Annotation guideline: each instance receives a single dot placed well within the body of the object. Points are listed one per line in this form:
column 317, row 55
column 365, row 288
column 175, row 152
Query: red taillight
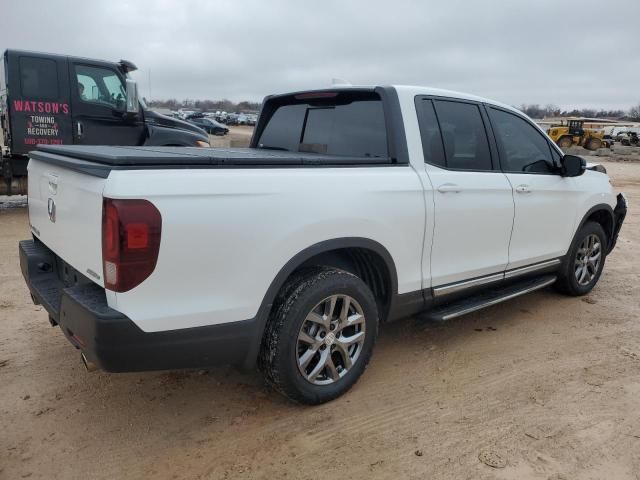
column 130, row 242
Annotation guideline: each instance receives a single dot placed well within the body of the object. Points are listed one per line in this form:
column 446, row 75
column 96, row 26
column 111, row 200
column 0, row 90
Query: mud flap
column 619, row 213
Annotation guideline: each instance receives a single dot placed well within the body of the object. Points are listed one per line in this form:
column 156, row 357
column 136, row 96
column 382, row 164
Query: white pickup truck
column 353, row 206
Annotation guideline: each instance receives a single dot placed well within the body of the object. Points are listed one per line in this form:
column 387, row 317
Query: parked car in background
column 221, row 117
column 209, row 125
column 623, row 138
column 607, row 141
column 183, row 114
column 231, row 119
column 628, row 137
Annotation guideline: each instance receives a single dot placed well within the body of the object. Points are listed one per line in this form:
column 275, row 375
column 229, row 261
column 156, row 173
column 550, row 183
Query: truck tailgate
column 65, row 213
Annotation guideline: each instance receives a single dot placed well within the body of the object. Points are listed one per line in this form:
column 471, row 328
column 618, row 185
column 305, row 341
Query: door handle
column 523, row 189
column 79, row 128
column 449, row 187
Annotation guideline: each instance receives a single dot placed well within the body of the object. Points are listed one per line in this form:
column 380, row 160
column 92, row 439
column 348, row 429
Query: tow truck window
column 328, row 125
column 101, row 86
column 38, row 78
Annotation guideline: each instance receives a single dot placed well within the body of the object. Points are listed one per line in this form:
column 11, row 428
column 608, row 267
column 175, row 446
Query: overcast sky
column 572, row 54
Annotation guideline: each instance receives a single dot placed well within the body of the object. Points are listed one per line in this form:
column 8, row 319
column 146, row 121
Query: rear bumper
column 111, row 340
column 619, row 214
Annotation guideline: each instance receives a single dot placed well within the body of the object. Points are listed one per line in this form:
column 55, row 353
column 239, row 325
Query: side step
column 488, row 298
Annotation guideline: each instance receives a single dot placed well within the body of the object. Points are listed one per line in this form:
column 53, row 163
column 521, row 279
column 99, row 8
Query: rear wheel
column 565, row 142
column 320, row 336
column 585, row 261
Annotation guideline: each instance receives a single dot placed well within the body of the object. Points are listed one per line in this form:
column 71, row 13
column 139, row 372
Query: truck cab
column 50, row 99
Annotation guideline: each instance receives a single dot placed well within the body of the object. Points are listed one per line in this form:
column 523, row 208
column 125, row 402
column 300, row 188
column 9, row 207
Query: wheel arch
column 348, row 254
column 602, row 214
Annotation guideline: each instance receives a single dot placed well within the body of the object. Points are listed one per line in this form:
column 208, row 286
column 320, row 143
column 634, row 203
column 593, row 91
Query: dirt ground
column 545, row 387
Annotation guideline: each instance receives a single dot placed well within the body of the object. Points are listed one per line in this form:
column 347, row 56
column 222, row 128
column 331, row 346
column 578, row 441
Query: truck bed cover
column 100, row 160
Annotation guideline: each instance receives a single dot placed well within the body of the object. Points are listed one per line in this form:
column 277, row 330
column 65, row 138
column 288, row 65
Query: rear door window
column 38, row 78
column 465, row 139
column 339, row 125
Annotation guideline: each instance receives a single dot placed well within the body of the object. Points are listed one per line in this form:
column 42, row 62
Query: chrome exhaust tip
column 89, row 366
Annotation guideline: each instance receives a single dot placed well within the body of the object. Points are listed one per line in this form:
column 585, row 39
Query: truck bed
column 98, row 161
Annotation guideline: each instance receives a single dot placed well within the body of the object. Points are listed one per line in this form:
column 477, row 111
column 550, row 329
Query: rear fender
column 298, row 260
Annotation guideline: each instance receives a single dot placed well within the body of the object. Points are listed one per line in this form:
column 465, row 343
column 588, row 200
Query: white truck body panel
column 227, row 233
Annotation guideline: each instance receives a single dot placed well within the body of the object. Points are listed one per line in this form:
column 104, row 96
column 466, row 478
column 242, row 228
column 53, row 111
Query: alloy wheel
column 330, row 339
column 588, row 259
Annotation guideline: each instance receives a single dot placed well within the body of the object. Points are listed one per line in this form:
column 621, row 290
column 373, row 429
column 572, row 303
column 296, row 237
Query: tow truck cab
column 58, row 100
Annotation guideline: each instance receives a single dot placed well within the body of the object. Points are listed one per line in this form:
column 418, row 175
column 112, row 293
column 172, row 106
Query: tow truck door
column 98, row 96
column 37, row 100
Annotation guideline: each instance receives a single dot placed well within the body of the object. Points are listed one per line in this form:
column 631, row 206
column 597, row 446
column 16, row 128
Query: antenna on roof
column 339, row 82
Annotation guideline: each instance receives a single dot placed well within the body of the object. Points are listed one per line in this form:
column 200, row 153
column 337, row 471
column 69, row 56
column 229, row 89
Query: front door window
column 100, row 86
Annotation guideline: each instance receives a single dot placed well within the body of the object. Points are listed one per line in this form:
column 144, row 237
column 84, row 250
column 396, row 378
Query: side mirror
column 132, row 96
column 573, row 166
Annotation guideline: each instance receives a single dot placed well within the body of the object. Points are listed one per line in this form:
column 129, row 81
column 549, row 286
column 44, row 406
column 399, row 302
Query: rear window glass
column 38, row 78
column 341, row 125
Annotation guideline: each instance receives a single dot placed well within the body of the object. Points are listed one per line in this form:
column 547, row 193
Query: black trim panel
column 396, row 136
column 99, row 161
column 407, row 304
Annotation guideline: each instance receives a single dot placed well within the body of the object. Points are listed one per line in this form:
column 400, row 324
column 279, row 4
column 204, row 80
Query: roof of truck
column 124, row 63
column 440, row 92
column 411, row 90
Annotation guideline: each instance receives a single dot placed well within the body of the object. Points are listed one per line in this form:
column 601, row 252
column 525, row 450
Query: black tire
column 567, row 281
column 279, row 353
column 565, row 142
column 593, row 144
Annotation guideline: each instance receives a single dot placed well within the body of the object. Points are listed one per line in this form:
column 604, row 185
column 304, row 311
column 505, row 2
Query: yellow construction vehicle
column 574, row 133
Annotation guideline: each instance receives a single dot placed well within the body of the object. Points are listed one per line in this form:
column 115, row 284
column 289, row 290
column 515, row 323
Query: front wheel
column 320, row 336
column 565, row 142
column 593, row 144
column 585, row 261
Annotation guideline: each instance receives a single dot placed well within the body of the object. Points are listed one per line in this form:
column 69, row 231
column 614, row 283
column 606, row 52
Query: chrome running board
column 488, row 298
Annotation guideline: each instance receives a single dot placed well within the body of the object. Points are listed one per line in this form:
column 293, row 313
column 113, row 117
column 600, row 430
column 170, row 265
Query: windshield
column 342, row 123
